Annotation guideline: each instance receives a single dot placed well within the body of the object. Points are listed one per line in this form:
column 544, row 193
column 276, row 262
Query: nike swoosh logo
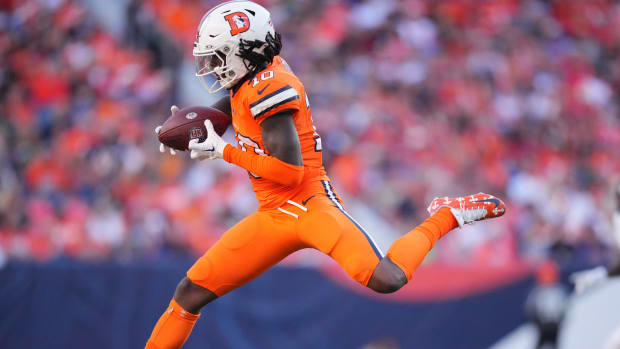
column 495, row 201
column 304, row 202
column 260, row 92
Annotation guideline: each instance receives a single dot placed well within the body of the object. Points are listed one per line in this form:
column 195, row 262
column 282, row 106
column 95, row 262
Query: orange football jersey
column 273, row 90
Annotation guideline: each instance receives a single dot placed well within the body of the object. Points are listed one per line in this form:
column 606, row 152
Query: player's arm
column 281, row 139
column 223, row 105
column 273, row 110
column 285, row 165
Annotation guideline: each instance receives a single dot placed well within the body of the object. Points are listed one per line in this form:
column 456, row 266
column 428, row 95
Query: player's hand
column 584, row 280
column 162, row 147
column 211, row 148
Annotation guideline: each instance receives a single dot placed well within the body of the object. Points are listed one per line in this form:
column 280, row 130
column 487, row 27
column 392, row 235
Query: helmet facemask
column 225, row 63
column 217, row 63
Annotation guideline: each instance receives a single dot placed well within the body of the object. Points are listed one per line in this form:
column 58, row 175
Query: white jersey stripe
column 331, row 195
column 298, row 205
column 271, row 101
column 288, row 212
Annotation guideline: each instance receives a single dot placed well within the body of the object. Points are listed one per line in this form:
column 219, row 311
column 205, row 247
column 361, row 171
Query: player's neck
column 239, row 83
column 250, row 76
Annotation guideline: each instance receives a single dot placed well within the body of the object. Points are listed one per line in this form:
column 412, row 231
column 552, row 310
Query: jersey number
column 266, row 75
column 318, row 146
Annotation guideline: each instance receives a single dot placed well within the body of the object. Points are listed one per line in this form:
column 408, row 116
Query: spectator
column 413, row 99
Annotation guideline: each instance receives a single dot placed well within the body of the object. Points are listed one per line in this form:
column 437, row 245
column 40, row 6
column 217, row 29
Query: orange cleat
column 469, row 209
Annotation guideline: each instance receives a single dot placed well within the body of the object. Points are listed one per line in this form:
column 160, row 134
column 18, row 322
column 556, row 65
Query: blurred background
column 413, row 99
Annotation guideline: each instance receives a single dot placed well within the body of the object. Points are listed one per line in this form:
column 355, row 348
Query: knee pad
column 204, row 275
column 200, row 272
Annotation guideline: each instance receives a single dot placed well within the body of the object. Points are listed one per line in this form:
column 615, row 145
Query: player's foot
column 468, row 209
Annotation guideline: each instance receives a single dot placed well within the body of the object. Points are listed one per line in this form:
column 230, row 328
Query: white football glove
column 162, row 147
column 211, row 148
column 586, row 279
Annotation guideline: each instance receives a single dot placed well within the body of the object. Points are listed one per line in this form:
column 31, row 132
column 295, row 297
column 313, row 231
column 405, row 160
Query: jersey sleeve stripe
column 285, row 88
column 276, row 105
column 277, row 98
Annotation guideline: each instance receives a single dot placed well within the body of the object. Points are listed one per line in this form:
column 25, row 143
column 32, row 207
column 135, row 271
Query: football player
column 280, row 148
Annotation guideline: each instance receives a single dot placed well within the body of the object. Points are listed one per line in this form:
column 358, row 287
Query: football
column 188, row 123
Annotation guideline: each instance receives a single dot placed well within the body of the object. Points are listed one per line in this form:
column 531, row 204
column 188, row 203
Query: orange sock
column 173, row 328
column 409, row 250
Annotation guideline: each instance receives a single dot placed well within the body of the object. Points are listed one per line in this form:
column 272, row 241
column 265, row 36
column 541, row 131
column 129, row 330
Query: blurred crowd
column 413, row 99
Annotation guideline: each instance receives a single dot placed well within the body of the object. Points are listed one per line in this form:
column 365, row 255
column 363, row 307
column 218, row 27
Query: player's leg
column 243, row 253
column 326, row 226
column 446, row 214
column 355, row 250
column 408, row 251
column 362, row 259
column 332, row 231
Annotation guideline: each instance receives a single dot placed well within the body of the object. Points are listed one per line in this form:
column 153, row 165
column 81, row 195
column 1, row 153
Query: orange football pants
column 311, row 219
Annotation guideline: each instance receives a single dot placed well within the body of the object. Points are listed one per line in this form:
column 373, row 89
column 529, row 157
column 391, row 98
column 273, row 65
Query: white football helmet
column 222, row 33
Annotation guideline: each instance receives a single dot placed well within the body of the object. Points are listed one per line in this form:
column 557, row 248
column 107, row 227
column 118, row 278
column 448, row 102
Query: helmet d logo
column 239, row 22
